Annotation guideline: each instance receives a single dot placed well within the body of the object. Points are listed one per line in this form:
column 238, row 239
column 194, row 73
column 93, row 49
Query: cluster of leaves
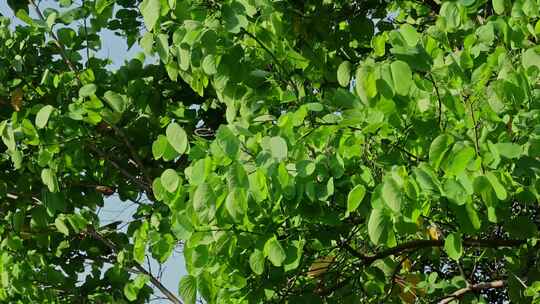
column 297, row 151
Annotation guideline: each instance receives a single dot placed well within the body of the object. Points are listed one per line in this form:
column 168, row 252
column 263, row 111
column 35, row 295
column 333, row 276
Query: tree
column 297, row 151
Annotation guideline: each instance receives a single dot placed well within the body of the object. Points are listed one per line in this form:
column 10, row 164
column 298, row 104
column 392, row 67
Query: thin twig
column 476, row 137
column 419, row 244
column 438, row 97
column 280, row 65
column 393, row 278
column 171, row 296
column 57, row 42
column 133, row 152
column 86, row 38
column 472, row 288
column 123, row 171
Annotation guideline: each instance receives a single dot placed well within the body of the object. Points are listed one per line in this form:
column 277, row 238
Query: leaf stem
column 472, row 288
column 171, row 296
column 438, row 97
column 56, row 41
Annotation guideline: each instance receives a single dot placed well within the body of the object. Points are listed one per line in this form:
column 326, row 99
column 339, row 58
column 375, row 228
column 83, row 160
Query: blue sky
column 115, row 48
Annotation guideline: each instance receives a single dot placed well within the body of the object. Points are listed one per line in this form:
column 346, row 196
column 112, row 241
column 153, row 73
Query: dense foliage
column 314, row 151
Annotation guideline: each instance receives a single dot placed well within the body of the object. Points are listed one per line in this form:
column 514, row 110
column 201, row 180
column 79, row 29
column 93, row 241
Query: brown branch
column 57, row 42
column 171, row 296
column 123, row 171
column 438, row 97
column 419, row 244
column 279, row 63
column 472, row 288
column 393, row 278
column 133, row 152
column 475, row 126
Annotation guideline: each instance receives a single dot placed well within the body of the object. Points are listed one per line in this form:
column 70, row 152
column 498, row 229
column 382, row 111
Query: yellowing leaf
column 320, row 266
column 17, row 99
column 434, row 232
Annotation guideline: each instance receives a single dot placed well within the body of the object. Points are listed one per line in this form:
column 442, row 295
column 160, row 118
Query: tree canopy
column 296, row 151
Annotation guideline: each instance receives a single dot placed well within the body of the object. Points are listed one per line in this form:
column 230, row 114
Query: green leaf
column 209, row 64
column 380, row 228
column 23, row 15
column 509, row 150
column 150, row 10
column 184, row 56
column 355, row 197
column 467, row 217
column 391, row 194
column 162, row 249
column 451, row 15
column 278, row 147
column 366, row 83
column 378, row 43
column 410, row 34
column 236, row 203
column 295, row 251
column 200, row 257
column 486, row 188
column 159, row 146
column 401, row 77
column 170, row 180
column 440, row 145
column 87, row 90
column 500, row 192
column 455, row 192
column 274, row 252
column 139, row 245
column 162, row 148
column 101, row 5
column 427, row 179
column 115, row 101
column 453, row 246
column 204, row 202
column 147, row 42
column 305, row 168
column 42, row 117
column 234, row 17
column 77, row 222
column 162, row 45
column 228, row 141
column 499, row 6
column 344, row 73
column 460, row 157
column 8, row 135
column 177, row 137
column 531, row 58
column 48, row 176
column 187, row 289
column 256, row 261
column 130, row 292
column 131, row 289
column 61, row 226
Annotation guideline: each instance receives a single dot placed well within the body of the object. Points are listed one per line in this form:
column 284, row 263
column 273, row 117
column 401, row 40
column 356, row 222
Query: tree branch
column 171, row 296
column 472, row 288
column 419, row 244
column 123, row 171
column 438, row 97
column 57, row 42
column 133, row 152
column 278, row 63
